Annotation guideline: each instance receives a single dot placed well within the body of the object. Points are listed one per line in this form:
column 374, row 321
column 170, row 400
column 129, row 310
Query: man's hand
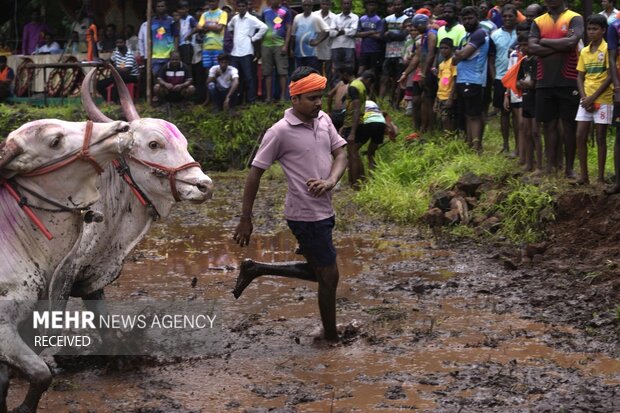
column 243, row 231
column 283, row 51
column 226, row 105
column 351, row 138
column 588, row 103
column 318, row 187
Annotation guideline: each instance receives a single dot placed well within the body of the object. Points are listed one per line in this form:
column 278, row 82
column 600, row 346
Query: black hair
column 242, row 2
column 368, row 74
column 223, row 57
column 510, row 8
column 451, row 5
column 407, row 20
column 301, row 72
column 597, row 20
column 469, row 11
column 447, row 41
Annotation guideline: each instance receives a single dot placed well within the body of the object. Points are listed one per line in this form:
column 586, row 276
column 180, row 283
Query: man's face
column 448, row 14
column 307, row 6
column 223, row 65
column 510, row 20
column 326, row 5
column 371, row 8
column 398, row 6
column 120, row 44
column 308, row 104
column 484, row 9
column 531, row 12
column 470, row 22
column 604, row 4
column 175, row 59
column 346, row 6
column 212, row 4
column 109, row 31
column 595, row 32
column 517, row 4
column 242, row 8
column 160, row 8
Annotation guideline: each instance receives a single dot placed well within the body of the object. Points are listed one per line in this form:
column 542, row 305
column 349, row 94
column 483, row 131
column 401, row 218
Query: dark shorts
column 315, row 240
column 372, row 61
column 498, row 94
column 431, row 85
column 470, row 98
column 342, row 57
column 373, row 131
column 392, row 67
column 416, row 90
column 556, row 103
column 615, row 121
column 529, row 104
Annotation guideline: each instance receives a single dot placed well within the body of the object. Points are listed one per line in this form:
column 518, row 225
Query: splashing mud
column 426, row 327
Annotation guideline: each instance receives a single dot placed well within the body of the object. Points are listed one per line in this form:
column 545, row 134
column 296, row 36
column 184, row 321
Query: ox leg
column 95, row 302
column 19, row 356
column 4, row 386
column 250, row 270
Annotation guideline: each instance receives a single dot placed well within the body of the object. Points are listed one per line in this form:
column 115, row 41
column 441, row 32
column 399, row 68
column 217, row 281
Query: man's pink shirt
column 304, row 152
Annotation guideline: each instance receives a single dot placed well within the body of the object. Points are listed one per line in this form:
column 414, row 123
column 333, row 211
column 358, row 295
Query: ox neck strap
column 123, row 170
column 166, row 172
column 87, row 214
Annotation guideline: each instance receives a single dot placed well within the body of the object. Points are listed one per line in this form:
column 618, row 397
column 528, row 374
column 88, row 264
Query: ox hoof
column 247, row 274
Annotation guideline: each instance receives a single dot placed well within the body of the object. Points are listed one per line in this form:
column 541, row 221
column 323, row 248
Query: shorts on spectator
column 342, row 57
column 498, row 94
column 272, row 57
column 416, row 90
column 373, row 131
column 209, row 57
column 470, row 98
column 529, row 104
column 372, row 61
column 556, row 103
column 393, row 67
column 430, row 85
column 616, row 119
column 601, row 116
column 315, row 240
column 446, row 112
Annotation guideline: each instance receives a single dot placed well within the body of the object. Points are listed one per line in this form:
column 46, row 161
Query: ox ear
column 9, row 151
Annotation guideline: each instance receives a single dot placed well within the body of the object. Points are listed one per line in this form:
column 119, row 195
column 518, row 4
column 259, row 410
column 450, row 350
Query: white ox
column 52, row 167
column 163, row 173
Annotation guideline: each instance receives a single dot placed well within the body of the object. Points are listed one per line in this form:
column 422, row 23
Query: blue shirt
column 501, row 43
column 371, row 24
column 474, row 69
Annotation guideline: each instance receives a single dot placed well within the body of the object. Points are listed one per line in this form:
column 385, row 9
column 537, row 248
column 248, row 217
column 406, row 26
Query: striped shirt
column 122, row 61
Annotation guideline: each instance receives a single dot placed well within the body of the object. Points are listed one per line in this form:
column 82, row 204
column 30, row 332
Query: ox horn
column 9, row 151
column 126, row 100
column 93, row 112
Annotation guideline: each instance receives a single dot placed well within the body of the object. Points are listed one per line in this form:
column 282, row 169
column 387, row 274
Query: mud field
column 429, row 324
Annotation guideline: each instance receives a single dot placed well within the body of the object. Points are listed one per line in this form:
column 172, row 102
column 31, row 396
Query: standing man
column 274, row 50
column 32, row 36
column 311, row 153
column 187, row 23
column 452, row 29
column 212, row 23
column 164, row 36
column 471, row 76
column 609, row 10
column 394, row 36
column 370, row 31
column 502, row 40
column 613, row 45
column 309, row 30
column 324, row 49
column 247, row 29
column 342, row 31
column 554, row 37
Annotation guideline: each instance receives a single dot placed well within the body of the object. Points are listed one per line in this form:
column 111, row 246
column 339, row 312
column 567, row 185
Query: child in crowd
column 512, row 104
column 596, row 105
column 526, row 83
column 444, row 104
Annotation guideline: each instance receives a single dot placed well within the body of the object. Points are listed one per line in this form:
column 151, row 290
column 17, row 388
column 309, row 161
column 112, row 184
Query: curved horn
column 93, row 112
column 126, row 101
column 9, row 151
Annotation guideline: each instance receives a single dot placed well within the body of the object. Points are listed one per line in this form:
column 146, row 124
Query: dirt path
column 430, row 326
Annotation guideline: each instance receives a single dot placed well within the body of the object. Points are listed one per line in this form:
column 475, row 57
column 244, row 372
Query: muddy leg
column 250, row 270
column 95, row 302
column 4, row 387
column 616, row 187
column 328, row 283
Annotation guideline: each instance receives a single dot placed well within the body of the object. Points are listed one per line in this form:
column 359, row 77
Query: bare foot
column 247, row 274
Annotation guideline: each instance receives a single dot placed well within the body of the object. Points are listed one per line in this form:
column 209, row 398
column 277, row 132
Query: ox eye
column 55, row 142
column 154, row 145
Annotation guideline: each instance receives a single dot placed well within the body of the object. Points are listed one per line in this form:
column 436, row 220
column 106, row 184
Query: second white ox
column 49, row 171
column 162, row 171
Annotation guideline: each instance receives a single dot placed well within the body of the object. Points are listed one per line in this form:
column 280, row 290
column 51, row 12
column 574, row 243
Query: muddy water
column 405, row 349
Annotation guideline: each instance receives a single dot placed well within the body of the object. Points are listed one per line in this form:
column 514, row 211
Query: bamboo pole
column 149, row 52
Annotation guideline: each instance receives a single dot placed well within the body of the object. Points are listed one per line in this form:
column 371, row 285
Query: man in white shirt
column 609, row 10
column 342, row 31
column 324, row 49
column 222, row 83
column 247, row 29
column 50, row 46
column 187, row 23
column 309, row 30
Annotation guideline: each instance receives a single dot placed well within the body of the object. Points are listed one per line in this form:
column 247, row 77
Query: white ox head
column 48, row 143
column 159, row 142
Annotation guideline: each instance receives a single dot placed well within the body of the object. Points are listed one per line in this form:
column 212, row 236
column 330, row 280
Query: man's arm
column 244, row 228
column 566, row 44
column 318, row 187
column 261, row 27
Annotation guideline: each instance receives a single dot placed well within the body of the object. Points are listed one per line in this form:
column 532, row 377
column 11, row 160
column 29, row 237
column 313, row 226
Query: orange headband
column 310, row 83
